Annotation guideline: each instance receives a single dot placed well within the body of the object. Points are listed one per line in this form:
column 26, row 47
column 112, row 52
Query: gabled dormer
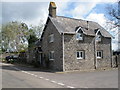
column 98, row 35
column 79, row 34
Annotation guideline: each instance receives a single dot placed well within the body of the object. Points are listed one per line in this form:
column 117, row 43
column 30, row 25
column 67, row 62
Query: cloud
column 115, row 46
column 31, row 12
column 82, row 9
column 24, row 11
column 58, row 1
column 62, row 7
column 78, row 9
column 101, row 19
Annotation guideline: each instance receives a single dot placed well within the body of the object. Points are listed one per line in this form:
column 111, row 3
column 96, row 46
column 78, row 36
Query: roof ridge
column 76, row 19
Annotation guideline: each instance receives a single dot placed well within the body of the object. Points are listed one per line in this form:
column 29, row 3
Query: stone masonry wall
column 106, row 60
column 87, row 45
column 56, row 46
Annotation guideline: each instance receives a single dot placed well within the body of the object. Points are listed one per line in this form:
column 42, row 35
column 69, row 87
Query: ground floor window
column 80, row 54
column 51, row 55
column 99, row 54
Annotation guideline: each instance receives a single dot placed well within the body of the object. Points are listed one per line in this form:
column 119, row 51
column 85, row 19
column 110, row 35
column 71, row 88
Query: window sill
column 79, row 39
column 51, row 42
column 99, row 57
column 80, row 58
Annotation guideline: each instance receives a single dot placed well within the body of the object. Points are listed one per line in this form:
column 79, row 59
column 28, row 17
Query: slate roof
column 69, row 25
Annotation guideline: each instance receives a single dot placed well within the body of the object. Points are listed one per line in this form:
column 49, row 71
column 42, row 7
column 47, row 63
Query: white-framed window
column 79, row 36
column 51, row 55
column 99, row 54
column 51, row 38
column 98, row 38
column 80, row 54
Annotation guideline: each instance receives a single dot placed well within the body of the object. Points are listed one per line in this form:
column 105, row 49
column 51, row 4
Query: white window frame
column 98, row 55
column 80, row 57
column 51, row 38
column 80, row 36
column 52, row 55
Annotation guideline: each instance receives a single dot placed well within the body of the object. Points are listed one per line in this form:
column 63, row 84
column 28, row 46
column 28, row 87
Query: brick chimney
column 52, row 9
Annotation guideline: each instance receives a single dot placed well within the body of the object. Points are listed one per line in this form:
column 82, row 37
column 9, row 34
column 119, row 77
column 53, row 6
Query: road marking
column 28, row 73
column 70, row 87
column 61, row 84
column 47, row 79
column 24, row 71
column 32, row 74
column 35, row 75
column 40, row 77
column 53, row 81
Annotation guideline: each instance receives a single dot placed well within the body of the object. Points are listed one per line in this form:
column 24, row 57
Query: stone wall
column 87, row 45
column 106, row 60
column 56, row 46
column 115, row 60
column 72, row 46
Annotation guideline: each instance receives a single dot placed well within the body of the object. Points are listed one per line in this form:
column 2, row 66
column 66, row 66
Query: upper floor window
column 80, row 54
column 79, row 36
column 98, row 38
column 99, row 54
column 51, row 55
column 79, row 33
column 51, row 38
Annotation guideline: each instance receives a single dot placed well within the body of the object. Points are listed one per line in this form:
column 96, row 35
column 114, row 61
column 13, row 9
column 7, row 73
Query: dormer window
column 98, row 35
column 98, row 38
column 79, row 36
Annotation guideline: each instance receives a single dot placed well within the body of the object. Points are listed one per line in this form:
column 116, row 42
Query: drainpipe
column 95, row 51
column 111, row 55
column 95, row 48
column 63, row 51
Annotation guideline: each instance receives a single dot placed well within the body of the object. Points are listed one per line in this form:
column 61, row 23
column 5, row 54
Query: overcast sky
column 32, row 13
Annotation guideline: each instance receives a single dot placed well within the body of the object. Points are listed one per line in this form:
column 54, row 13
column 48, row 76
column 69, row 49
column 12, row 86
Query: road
column 15, row 76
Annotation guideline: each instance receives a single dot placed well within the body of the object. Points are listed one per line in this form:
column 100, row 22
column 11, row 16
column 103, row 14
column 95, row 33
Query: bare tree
column 114, row 14
column 114, row 19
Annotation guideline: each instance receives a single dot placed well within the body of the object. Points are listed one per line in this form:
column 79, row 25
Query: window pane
column 80, row 54
column 51, row 38
column 99, row 54
column 51, row 55
column 77, row 35
column 77, row 54
column 98, row 38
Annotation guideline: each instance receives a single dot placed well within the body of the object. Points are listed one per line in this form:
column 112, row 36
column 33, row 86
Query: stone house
column 74, row 44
